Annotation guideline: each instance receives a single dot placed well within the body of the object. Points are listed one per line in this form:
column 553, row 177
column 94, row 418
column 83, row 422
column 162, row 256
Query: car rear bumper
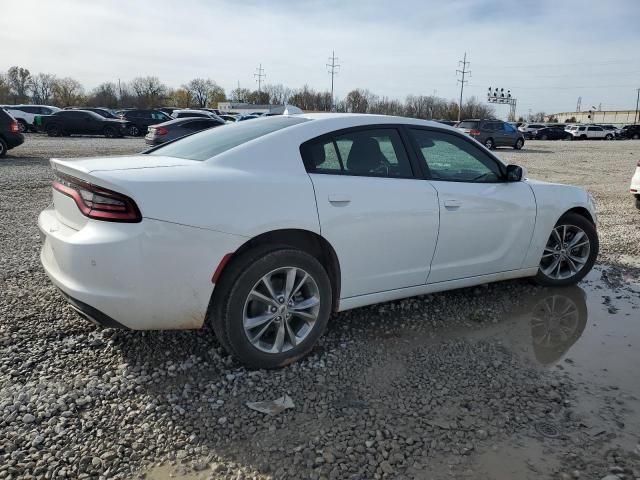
column 153, row 141
column 13, row 139
column 144, row 276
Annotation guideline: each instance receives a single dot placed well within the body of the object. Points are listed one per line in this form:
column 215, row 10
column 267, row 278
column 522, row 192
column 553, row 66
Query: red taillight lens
column 161, row 130
column 14, row 127
column 97, row 202
column 474, row 132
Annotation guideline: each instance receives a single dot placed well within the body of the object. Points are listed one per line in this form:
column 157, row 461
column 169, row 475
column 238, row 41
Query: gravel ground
column 420, row 388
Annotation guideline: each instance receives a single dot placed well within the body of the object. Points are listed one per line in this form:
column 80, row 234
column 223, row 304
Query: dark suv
column 10, row 136
column 140, row 120
column 629, row 131
column 493, row 133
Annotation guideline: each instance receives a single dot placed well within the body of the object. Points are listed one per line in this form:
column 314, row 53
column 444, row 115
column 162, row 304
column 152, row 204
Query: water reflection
column 544, row 326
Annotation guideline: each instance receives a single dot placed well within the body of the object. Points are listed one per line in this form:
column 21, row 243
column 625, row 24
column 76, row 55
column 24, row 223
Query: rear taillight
column 474, row 132
column 161, row 131
column 14, row 127
column 97, row 202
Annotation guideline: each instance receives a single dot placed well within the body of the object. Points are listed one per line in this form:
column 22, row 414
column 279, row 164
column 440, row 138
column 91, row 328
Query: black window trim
column 422, row 162
column 417, row 171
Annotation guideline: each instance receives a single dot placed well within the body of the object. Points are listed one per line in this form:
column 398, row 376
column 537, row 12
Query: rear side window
column 508, row 128
column 468, row 124
column 371, row 153
column 209, row 143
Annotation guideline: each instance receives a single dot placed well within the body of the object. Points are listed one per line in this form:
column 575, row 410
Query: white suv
column 590, row 132
column 530, row 129
column 25, row 114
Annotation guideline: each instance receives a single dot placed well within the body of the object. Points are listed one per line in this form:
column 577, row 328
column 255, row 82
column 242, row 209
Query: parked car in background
column 529, row 129
column 166, row 131
column 140, row 119
column 26, row 114
column 196, row 231
column 629, row 131
column 492, row 133
column 229, row 118
column 451, row 123
column 82, row 122
column 104, row 112
column 10, row 134
column 194, row 113
column 635, row 185
column 242, row 118
column 552, row 133
column 591, row 132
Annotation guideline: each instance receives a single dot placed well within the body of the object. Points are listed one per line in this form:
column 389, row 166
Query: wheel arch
column 582, row 211
column 304, row 240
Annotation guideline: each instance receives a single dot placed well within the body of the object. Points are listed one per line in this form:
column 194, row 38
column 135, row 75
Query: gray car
column 167, row 131
column 493, row 133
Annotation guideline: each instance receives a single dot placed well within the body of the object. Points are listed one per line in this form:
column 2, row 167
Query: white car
column 530, row 129
column 264, row 228
column 635, row 185
column 591, row 132
column 26, row 114
column 194, row 113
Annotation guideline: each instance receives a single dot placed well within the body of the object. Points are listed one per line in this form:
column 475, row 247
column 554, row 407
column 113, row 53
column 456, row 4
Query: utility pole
column 635, row 117
column 579, row 105
column 463, row 63
column 333, row 70
column 259, row 76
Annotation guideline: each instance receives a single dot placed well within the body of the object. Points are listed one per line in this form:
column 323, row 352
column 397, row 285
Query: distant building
column 620, row 117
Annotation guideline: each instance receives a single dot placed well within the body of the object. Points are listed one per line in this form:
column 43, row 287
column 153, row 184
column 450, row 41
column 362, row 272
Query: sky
column 547, row 52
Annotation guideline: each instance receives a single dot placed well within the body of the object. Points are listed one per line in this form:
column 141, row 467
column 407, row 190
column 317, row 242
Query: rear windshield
column 468, row 124
column 209, row 143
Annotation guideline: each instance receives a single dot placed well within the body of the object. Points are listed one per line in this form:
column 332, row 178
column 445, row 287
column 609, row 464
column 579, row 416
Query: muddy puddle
column 589, row 333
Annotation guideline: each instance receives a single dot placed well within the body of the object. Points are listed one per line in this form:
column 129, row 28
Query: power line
column 259, row 76
column 463, row 72
column 333, row 70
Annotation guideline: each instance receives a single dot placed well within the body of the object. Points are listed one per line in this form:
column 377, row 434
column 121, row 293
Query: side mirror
column 515, row 173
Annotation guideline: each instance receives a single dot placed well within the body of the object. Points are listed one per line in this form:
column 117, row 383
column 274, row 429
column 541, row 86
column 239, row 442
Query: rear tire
column 636, row 136
column 234, row 305
column 489, row 143
column 608, row 137
column 559, row 251
column 23, row 126
column 519, row 144
column 637, row 200
column 134, row 131
column 3, row 148
column 544, row 137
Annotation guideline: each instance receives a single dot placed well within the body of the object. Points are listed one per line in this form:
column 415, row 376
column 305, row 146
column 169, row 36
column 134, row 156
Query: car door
column 379, row 216
column 510, row 134
column 595, row 132
column 71, row 122
column 486, row 223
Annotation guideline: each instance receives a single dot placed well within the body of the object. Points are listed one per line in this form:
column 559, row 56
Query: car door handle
column 452, row 203
column 337, row 198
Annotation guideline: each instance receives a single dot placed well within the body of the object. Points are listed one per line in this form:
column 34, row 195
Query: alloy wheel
column 566, row 253
column 281, row 310
column 489, row 144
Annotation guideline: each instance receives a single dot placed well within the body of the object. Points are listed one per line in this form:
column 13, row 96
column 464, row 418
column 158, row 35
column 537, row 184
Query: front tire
column 53, row 131
column 23, row 126
column 271, row 306
column 570, row 252
column 110, row 132
column 3, row 148
column 637, row 200
column 134, row 131
column 519, row 144
column 608, row 137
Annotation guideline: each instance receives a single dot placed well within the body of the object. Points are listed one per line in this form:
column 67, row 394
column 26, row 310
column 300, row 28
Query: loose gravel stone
column 391, row 391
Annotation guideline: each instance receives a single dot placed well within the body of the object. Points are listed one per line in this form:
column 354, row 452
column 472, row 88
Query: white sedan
column 635, row 185
column 265, row 228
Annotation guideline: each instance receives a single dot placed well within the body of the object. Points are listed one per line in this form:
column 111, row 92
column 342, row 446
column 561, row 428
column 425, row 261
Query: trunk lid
column 72, row 166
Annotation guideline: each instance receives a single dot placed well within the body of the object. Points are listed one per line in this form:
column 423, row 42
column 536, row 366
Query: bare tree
column 68, row 92
column 149, row 91
column 358, row 100
column 199, row 89
column 278, row 94
column 239, row 94
column 42, row 88
column 104, row 95
column 216, row 95
column 5, row 90
column 19, row 81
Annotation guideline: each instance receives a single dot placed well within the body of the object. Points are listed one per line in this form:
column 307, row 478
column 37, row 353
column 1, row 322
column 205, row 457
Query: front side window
column 209, row 143
column 372, row 153
column 450, row 158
